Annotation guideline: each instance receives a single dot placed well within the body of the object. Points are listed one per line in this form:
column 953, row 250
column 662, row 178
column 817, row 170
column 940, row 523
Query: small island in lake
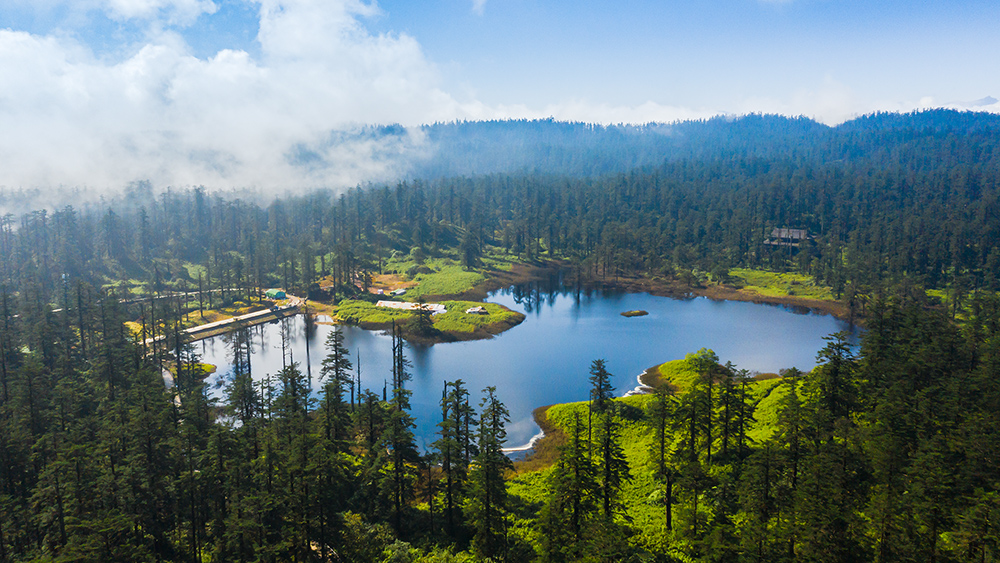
column 451, row 320
column 635, row 313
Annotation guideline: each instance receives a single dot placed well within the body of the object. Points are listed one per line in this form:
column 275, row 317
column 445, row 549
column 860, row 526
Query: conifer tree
column 489, row 490
column 601, row 391
column 290, row 440
column 833, row 385
column 336, row 374
column 572, row 497
column 661, row 412
column 400, row 450
column 613, row 469
column 450, row 447
column 706, row 363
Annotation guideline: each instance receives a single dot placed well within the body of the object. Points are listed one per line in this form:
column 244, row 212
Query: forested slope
column 582, row 149
column 884, row 453
column 891, row 203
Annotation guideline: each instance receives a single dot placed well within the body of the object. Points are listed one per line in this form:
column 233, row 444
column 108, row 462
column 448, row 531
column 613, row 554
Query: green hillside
column 643, row 494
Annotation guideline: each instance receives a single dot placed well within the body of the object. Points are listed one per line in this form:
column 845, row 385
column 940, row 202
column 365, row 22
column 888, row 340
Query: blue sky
column 220, row 91
column 709, row 54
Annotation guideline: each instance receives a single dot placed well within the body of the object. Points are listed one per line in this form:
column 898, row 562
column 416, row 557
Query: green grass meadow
column 774, row 284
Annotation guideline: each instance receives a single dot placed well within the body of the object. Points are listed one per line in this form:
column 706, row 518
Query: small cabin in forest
column 274, row 294
column 477, row 310
column 787, row 237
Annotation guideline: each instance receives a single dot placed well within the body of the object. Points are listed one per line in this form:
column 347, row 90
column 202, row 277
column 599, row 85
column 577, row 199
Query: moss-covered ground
column 367, row 315
column 679, row 375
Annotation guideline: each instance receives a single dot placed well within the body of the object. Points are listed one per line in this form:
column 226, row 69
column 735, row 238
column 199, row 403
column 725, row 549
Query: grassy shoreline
column 545, row 451
column 726, row 292
column 756, row 286
column 438, row 280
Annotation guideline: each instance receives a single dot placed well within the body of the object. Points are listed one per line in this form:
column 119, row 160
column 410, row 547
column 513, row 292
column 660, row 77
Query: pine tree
column 243, row 400
column 336, row 374
column 489, row 490
column 833, row 384
column 706, row 363
column 451, row 449
column 290, row 443
column 397, row 438
column 757, row 493
column 572, row 497
column 601, row 391
column 661, row 412
column 613, row 469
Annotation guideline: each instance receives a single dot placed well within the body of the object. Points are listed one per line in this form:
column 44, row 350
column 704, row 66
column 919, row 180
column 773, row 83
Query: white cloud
column 289, row 118
column 478, row 6
column 831, row 102
column 231, row 120
column 173, row 12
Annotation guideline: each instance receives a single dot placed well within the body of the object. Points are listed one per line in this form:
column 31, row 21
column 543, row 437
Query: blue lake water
column 546, row 359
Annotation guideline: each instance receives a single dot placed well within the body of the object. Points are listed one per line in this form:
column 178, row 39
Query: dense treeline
column 894, row 202
column 879, row 455
column 884, row 453
column 584, row 150
column 100, row 462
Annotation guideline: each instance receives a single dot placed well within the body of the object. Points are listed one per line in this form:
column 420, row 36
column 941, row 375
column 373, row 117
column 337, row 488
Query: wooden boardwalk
column 216, row 328
column 225, row 325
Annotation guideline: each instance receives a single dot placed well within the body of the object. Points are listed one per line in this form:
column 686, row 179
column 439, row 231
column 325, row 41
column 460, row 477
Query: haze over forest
column 175, row 169
column 281, row 94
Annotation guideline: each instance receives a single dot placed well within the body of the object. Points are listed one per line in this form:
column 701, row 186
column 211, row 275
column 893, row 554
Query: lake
column 546, row 359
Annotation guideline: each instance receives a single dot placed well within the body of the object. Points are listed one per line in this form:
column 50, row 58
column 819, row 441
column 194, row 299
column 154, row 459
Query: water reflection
column 546, row 358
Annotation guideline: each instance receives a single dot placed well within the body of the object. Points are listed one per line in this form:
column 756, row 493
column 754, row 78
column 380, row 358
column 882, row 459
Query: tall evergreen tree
column 336, row 375
column 613, row 469
column 489, row 490
column 400, row 450
column 601, row 391
column 661, row 412
column 455, row 410
column 572, row 499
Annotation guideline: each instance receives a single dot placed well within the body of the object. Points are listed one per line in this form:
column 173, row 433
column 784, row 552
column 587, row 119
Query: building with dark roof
column 787, row 237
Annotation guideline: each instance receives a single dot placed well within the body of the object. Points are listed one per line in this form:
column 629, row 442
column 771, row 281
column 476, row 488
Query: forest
column 884, row 452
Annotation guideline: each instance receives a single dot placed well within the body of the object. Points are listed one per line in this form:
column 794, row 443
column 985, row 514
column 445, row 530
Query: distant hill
column 580, row 149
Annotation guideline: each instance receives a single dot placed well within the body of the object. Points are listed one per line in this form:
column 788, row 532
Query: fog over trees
column 883, row 452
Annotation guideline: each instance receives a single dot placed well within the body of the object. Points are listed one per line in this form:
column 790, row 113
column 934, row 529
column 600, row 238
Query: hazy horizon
column 226, row 93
